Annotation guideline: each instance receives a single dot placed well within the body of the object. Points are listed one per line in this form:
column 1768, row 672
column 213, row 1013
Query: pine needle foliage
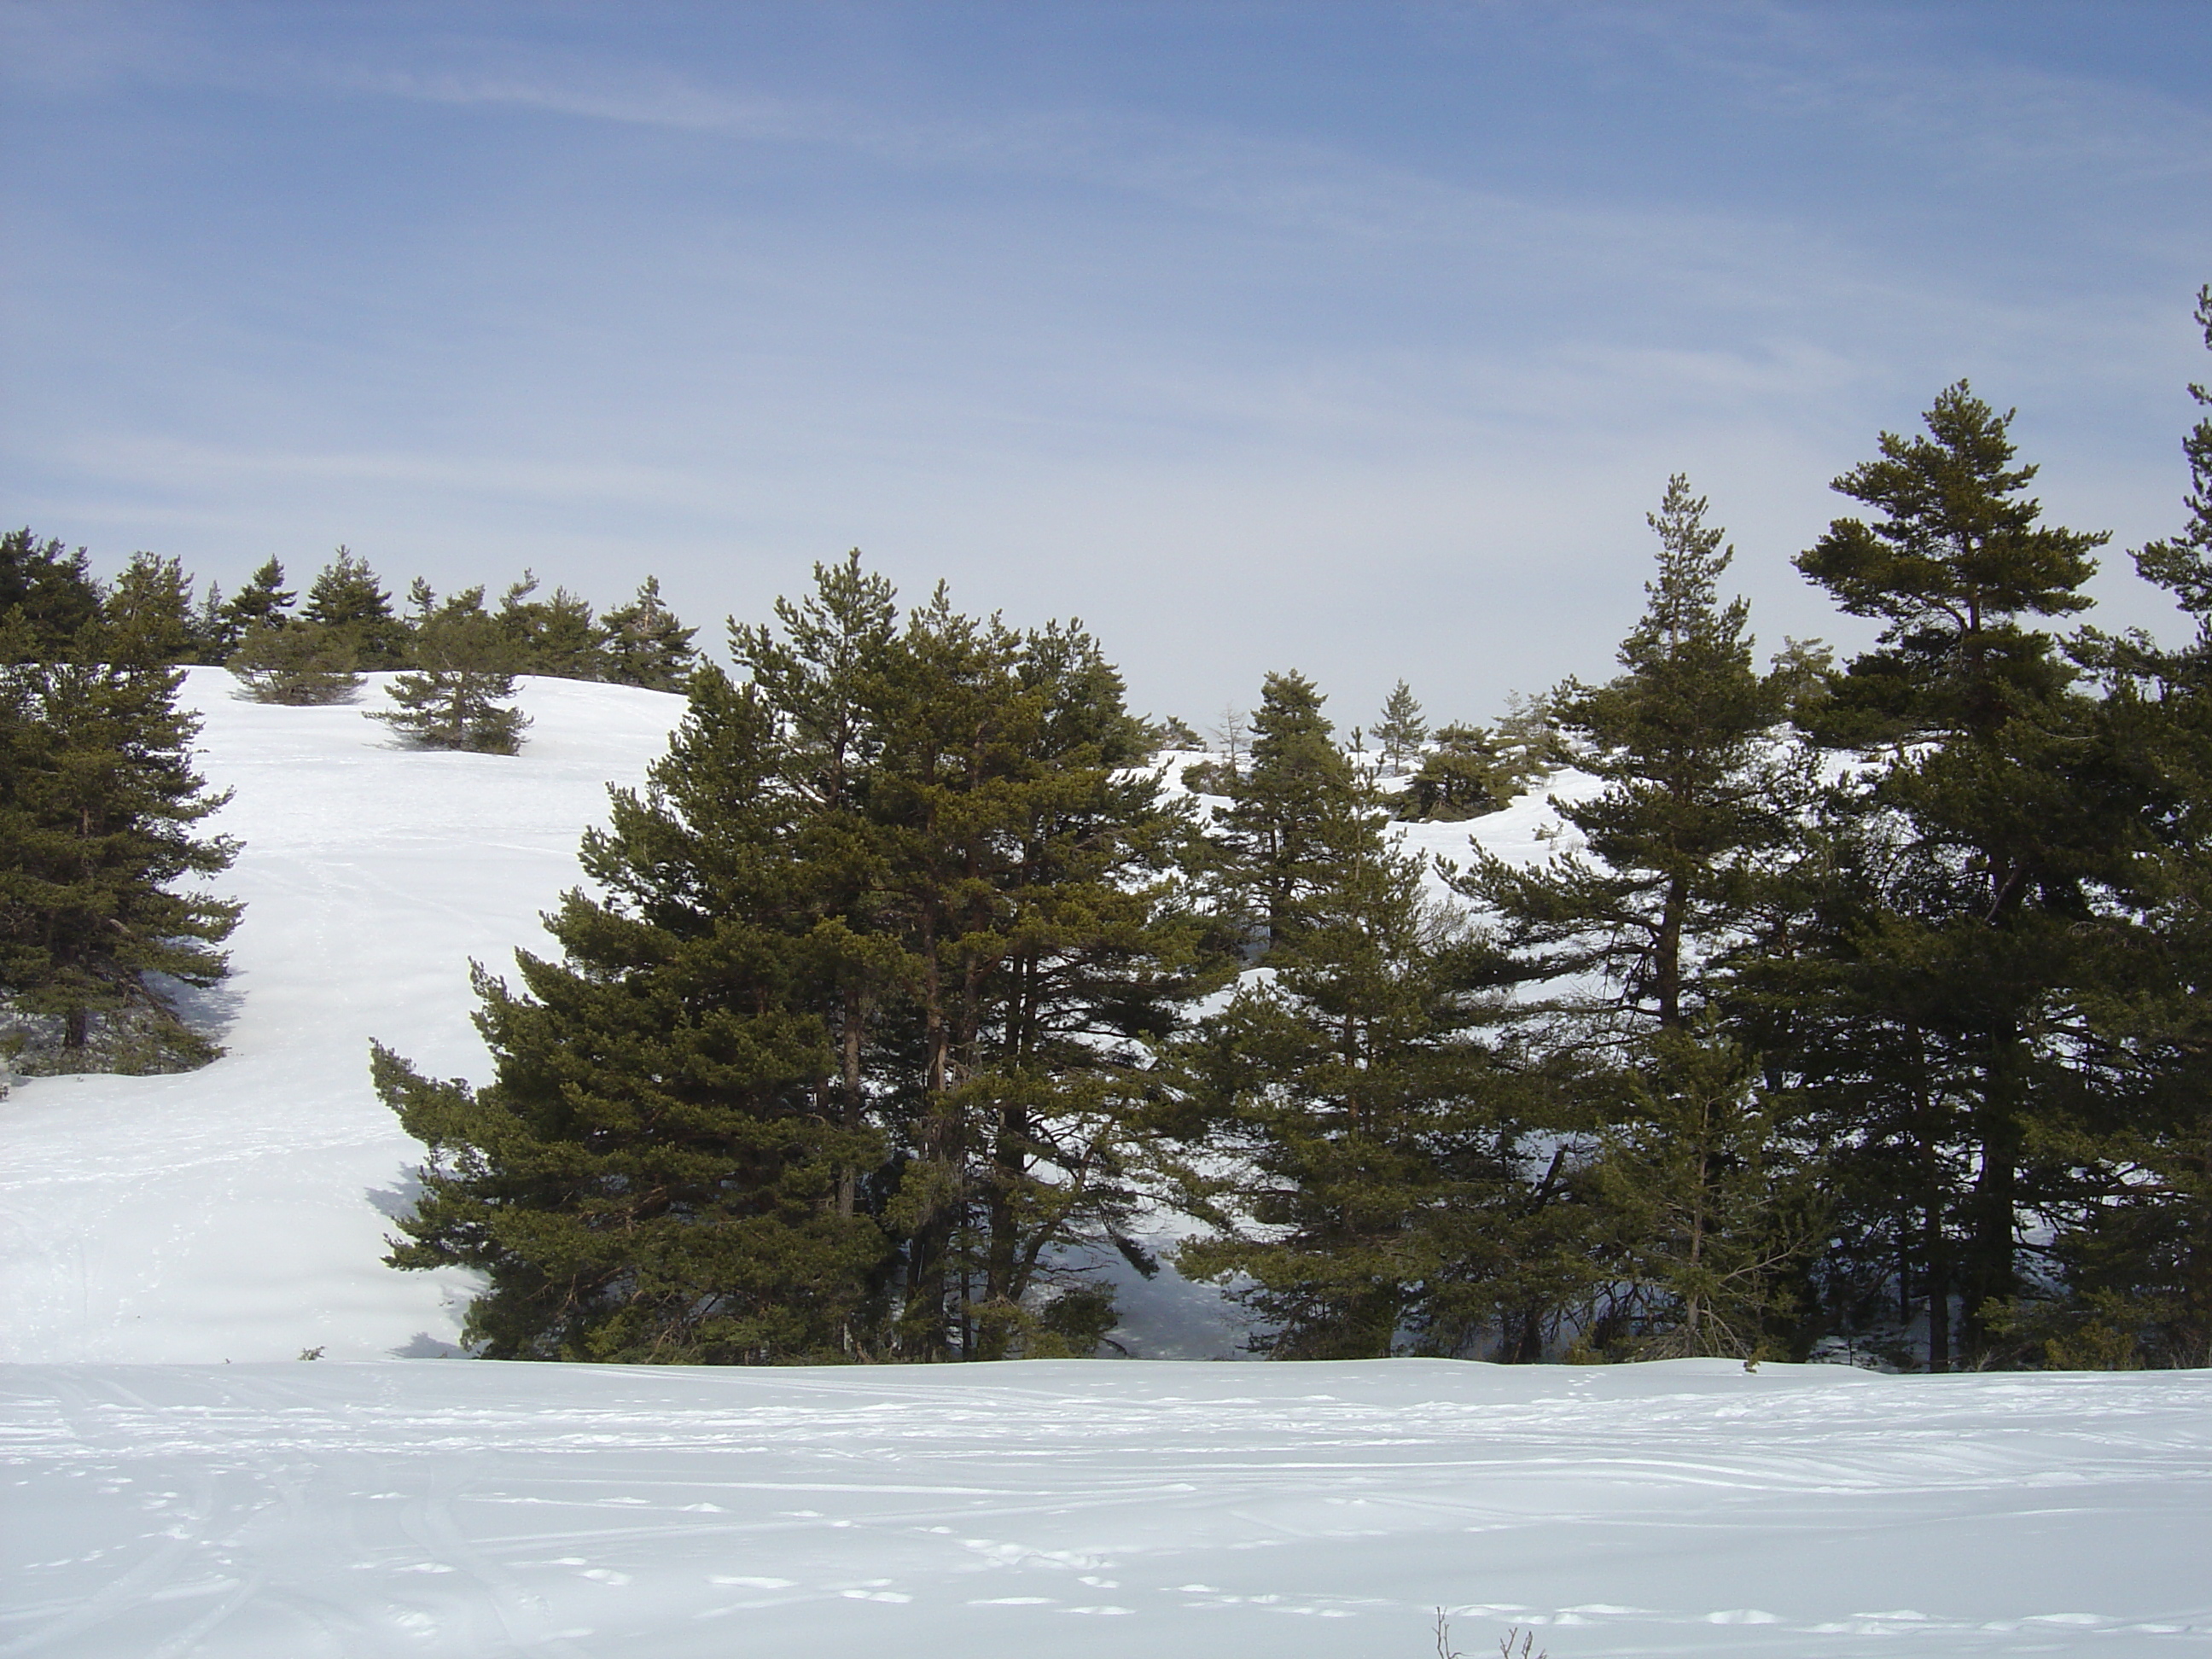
column 461, row 691
column 100, row 861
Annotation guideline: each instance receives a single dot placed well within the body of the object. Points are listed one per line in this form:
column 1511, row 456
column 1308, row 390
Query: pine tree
column 1462, row 776
column 52, row 589
column 1269, row 838
column 921, row 862
column 556, row 636
column 460, row 695
column 347, row 598
column 301, row 664
column 1706, row 1213
column 1699, row 815
column 1399, row 730
column 263, row 600
column 1967, row 862
column 1700, row 798
column 98, row 806
column 1026, row 862
column 2129, row 1277
column 646, row 645
column 1351, row 1143
column 655, row 1174
column 150, row 620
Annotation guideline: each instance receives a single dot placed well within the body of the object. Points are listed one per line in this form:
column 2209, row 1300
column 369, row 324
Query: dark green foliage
column 1274, row 854
column 98, row 810
column 556, row 635
column 460, row 694
column 148, row 619
column 1697, row 821
column 1868, row 1008
column 347, row 598
column 50, row 589
column 1707, row 1211
column 1467, row 770
column 264, row 601
column 1353, row 1137
column 295, row 662
column 2126, row 1161
column 1700, row 800
column 1399, row 730
column 1933, row 1010
column 1173, row 733
column 645, row 644
column 846, row 1059
column 1463, row 775
column 655, row 1175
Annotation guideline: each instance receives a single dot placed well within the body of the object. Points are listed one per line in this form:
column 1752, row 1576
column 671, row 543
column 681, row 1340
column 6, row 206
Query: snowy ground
column 474, row 1511
column 440, row 1507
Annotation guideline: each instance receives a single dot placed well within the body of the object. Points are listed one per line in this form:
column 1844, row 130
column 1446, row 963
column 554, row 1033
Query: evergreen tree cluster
column 845, row 1051
column 1857, row 1012
column 287, row 648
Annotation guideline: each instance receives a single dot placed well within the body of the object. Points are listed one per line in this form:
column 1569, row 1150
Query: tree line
column 1859, row 1013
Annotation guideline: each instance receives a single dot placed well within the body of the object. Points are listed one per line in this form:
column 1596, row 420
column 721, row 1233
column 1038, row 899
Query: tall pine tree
column 1969, row 856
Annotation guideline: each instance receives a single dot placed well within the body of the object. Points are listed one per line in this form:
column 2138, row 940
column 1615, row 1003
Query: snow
column 371, row 1506
column 281, row 1511
column 234, row 1213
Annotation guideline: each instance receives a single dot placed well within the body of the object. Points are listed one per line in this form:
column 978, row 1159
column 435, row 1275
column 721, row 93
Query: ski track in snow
column 160, row 1503
column 1685, row 1508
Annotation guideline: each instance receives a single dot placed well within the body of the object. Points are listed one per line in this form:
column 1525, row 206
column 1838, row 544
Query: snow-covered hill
column 234, row 1213
column 459, row 1510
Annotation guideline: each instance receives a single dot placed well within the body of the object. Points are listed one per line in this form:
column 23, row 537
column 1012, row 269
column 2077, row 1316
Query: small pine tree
column 460, row 694
column 1173, row 734
column 1706, row 1213
column 347, row 598
column 1346, row 1119
column 298, row 663
column 651, row 1177
column 1271, row 846
column 1461, row 776
column 1698, row 799
column 1399, row 730
column 646, row 645
column 263, row 600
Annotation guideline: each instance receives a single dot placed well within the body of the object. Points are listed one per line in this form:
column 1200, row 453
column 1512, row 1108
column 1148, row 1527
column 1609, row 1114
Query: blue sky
column 1352, row 338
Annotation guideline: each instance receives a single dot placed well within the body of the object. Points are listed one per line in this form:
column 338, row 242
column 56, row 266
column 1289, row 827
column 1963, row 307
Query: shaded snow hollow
column 280, row 1511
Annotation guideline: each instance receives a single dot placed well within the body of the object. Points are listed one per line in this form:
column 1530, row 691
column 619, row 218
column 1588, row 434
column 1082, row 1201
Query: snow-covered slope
column 233, row 1213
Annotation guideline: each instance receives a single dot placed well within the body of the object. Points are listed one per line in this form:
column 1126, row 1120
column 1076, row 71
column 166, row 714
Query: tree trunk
column 1989, row 1274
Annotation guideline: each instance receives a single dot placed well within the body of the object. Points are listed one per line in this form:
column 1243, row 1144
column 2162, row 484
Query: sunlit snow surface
column 444, row 1507
column 471, row 1509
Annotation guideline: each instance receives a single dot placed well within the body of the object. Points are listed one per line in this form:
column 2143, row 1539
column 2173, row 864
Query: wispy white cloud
column 1429, row 457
